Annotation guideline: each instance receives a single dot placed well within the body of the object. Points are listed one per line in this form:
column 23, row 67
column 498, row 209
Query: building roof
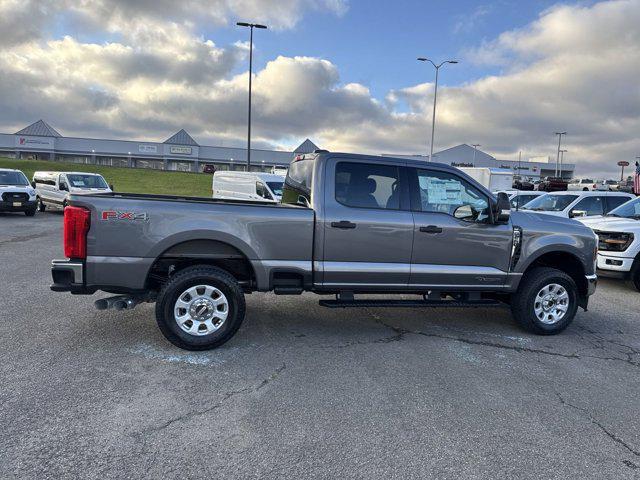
column 39, row 129
column 306, row 147
column 181, row 138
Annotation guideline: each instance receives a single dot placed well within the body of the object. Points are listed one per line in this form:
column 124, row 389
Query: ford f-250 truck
column 347, row 225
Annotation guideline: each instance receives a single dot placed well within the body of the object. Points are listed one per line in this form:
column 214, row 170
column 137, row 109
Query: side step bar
column 411, row 303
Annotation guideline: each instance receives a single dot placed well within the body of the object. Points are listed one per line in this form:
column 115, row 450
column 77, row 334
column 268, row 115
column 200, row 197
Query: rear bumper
column 11, row 206
column 68, row 276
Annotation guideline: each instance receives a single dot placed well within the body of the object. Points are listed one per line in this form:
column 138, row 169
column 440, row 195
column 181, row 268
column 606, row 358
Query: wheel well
column 566, row 262
column 201, row 252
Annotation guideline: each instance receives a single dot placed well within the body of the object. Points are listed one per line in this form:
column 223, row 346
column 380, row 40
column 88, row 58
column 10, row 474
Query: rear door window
column 366, row 185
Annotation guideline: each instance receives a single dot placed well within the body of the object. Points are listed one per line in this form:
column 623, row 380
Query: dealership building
column 181, row 152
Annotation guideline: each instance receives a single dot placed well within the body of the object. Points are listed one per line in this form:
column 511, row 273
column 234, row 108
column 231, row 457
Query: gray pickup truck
column 347, row 225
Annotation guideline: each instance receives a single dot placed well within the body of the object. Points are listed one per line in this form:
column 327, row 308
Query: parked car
column 590, row 185
column 552, row 184
column 619, row 241
column 53, row 188
column 348, row 224
column 577, row 204
column 626, row 185
column 521, row 183
column 611, row 185
column 519, row 198
column 16, row 195
column 247, row 186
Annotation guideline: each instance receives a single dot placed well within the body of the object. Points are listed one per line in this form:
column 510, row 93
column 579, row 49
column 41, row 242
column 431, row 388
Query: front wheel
column 30, row 213
column 546, row 301
column 41, row 206
column 200, row 308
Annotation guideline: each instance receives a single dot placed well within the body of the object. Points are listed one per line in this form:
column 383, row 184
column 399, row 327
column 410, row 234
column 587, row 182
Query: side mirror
column 111, row 187
column 63, row 187
column 502, row 209
column 33, row 184
column 577, row 213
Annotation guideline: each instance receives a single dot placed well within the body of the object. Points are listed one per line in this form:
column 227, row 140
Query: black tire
column 30, row 213
column 585, row 189
column 524, row 300
column 190, row 277
column 41, row 206
column 634, row 276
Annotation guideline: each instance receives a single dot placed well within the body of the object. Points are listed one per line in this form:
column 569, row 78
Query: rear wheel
column 200, row 308
column 546, row 301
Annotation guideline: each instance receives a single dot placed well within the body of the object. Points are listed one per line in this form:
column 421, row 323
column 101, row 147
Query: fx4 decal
column 118, row 215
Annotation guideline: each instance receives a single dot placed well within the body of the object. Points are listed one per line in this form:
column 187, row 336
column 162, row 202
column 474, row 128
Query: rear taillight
column 76, row 225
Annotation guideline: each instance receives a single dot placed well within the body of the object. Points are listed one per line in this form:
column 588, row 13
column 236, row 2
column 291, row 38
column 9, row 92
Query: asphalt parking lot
column 303, row 391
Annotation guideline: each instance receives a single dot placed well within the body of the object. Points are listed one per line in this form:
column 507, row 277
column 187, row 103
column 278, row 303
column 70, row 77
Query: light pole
column 562, row 152
column 475, row 149
column 251, row 26
column 435, row 97
column 558, row 154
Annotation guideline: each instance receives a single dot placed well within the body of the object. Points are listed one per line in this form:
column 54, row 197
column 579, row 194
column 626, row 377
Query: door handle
column 343, row 224
column 431, row 229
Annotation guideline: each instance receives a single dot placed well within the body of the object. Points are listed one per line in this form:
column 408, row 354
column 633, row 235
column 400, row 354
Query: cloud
column 467, row 22
column 574, row 68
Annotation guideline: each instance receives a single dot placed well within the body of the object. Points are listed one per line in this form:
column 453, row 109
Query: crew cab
column 53, row 188
column 619, row 241
column 347, row 225
column 16, row 195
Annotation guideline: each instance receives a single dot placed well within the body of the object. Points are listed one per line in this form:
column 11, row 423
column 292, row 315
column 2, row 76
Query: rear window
column 298, row 182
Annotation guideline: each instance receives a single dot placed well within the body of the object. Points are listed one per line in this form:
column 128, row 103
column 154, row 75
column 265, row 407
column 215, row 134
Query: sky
column 340, row 72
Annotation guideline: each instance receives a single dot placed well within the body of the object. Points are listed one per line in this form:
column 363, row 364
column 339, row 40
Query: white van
column 247, row 186
column 53, row 188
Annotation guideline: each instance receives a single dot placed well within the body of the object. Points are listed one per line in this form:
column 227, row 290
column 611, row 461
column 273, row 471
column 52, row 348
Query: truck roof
column 383, row 159
column 267, row 177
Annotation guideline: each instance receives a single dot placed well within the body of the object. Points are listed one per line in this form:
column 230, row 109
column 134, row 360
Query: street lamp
column 475, row 148
column 558, row 154
column 562, row 152
column 251, row 26
column 435, row 97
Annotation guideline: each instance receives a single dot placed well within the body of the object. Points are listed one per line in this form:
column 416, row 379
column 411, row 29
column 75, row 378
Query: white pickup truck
column 619, row 241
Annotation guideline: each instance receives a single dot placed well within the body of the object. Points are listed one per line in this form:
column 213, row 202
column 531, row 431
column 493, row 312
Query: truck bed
column 129, row 232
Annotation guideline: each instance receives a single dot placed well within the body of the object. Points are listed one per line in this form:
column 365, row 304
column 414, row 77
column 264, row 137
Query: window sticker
column 78, row 183
column 444, row 192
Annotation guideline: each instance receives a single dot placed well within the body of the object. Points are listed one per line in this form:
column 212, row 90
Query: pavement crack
column 272, row 377
column 518, row 348
column 604, row 429
column 225, row 398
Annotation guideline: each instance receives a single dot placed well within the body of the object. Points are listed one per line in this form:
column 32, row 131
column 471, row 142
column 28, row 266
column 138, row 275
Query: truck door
column 368, row 226
column 453, row 242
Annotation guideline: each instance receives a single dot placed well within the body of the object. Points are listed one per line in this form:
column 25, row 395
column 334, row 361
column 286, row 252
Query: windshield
column 550, row 203
column 519, row 200
column 86, row 181
column 13, row 178
column 276, row 187
column 631, row 209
